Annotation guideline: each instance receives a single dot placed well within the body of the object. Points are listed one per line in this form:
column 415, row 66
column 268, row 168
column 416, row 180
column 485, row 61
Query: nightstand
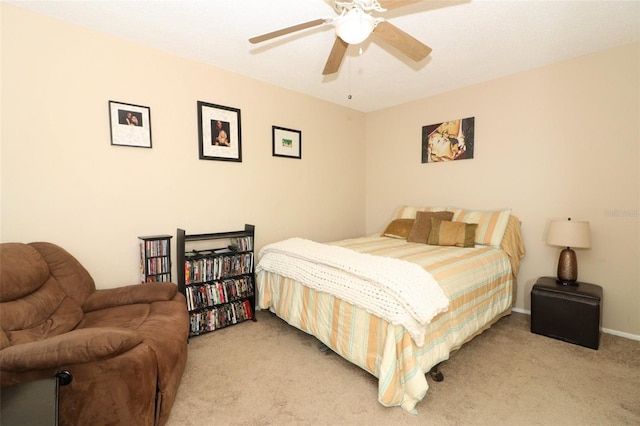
column 567, row 312
column 30, row 403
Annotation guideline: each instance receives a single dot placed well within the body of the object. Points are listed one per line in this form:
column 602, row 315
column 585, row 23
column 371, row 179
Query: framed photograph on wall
column 130, row 124
column 448, row 141
column 286, row 142
column 219, row 132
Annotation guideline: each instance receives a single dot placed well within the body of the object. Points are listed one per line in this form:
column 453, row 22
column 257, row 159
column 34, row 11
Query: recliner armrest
column 128, row 295
column 74, row 347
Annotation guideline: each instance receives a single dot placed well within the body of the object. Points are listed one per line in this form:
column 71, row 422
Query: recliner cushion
column 72, row 276
column 34, row 305
column 130, row 295
column 23, row 271
column 126, row 316
column 4, row 340
column 75, row 347
column 24, row 327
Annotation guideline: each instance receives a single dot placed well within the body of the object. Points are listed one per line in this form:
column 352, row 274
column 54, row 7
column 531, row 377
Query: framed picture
column 286, row 142
column 219, row 132
column 448, row 141
column 130, row 124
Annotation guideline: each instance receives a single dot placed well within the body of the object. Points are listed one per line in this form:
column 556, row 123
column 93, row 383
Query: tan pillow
column 399, row 228
column 447, row 233
column 422, row 226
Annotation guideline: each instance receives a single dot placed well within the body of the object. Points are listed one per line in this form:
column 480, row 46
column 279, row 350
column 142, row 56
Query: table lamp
column 568, row 233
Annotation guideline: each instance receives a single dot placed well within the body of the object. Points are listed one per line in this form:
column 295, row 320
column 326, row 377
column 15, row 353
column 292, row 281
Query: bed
column 474, row 265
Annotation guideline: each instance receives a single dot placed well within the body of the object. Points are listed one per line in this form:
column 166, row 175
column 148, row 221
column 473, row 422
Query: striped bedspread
column 478, row 282
column 398, row 291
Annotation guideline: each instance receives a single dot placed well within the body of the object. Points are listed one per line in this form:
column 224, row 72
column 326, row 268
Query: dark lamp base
column 567, row 266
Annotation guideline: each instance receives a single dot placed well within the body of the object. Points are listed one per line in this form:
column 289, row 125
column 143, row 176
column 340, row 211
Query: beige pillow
column 409, row 212
column 399, row 228
column 491, row 224
column 422, row 225
column 447, row 233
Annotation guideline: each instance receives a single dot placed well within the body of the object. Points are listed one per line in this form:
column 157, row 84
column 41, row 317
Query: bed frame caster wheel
column 324, row 349
column 436, row 374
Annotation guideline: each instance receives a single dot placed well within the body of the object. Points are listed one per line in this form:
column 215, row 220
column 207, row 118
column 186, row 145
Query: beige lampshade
column 569, row 233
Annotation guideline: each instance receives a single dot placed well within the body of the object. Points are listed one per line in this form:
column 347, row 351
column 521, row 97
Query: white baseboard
column 621, row 334
column 604, row 330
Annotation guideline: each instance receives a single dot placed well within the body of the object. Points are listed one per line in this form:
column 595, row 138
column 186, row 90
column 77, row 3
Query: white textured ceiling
column 472, row 41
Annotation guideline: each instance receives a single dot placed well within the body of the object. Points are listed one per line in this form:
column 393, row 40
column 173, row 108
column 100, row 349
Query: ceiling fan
column 354, row 24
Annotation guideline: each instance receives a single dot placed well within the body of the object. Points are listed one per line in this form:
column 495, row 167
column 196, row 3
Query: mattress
column 478, row 281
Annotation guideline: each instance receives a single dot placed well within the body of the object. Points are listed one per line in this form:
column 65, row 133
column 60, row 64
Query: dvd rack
column 155, row 258
column 217, row 282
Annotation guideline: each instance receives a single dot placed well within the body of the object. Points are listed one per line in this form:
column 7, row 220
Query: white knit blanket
column 398, row 291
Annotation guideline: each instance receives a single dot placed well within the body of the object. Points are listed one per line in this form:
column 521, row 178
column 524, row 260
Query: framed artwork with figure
column 219, row 132
column 448, row 141
column 130, row 124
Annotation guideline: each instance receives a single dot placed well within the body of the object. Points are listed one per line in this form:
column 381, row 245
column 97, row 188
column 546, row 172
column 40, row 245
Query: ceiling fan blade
column 402, row 41
column 335, row 57
column 284, row 31
column 394, row 4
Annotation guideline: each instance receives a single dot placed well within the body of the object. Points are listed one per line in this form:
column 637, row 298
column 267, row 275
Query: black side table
column 571, row 313
column 32, row 403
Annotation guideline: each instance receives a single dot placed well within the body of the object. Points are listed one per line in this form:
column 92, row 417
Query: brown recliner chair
column 125, row 347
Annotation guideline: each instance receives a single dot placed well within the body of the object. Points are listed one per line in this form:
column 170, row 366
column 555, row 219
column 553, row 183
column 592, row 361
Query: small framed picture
column 130, row 124
column 219, row 132
column 286, row 142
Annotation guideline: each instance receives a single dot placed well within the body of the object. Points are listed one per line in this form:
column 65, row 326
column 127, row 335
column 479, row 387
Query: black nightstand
column 32, row 403
column 567, row 312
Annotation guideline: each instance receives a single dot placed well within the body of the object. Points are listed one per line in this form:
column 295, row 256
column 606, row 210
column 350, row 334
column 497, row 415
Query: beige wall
column 556, row 142
column 63, row 182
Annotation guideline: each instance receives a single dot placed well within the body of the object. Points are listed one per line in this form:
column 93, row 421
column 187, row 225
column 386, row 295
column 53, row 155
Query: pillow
column 422, row 225
column 399, row 228
column 447, row 233
column 491, row 224
column 409, row 212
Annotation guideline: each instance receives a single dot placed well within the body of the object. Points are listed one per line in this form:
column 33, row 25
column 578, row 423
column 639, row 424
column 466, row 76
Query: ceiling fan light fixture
column 355, row 26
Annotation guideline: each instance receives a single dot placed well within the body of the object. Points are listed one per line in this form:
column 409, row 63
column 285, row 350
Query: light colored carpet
column 269, row 373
